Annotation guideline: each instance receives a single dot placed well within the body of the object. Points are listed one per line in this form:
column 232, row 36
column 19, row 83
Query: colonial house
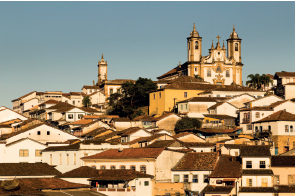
column 193, row 171
column 218, row 121
column 67, row 158
column 263, row 101
column 7, row 114
column 88, row 127
column 189, row 137
column 283, row 168
column 281, row 126
column 133, row 133
column 223, row 108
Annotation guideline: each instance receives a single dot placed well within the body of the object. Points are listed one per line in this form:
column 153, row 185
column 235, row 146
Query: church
column 221, row 66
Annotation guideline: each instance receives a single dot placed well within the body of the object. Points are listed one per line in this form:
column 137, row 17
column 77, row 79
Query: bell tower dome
column 234, row 46
column 102, row 70
column 194, row 46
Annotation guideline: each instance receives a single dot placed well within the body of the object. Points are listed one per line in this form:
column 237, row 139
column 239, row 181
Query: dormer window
column 236, row 47
column 196, row 45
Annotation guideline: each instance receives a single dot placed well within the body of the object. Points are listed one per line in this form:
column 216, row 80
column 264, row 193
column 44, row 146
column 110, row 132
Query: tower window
column 227, row 73
column 218, row 69
column 236, row 47
column 196, row 45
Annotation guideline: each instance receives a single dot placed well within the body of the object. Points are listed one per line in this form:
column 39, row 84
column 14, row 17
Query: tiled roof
column 219, row 116
column 217, row 189
column 81, row 122
column 204, row 99
column 80, row 172
column 131, row 130
column 257, row 108
column 136, row 141
column 227, row 167
column 61, row 105
column 273, row 105
column 119, row 175
column 233, row 146
column 284, row 188
column 163, row 144
column 127, row 153
column 144, row 118
column 50, row 183
column 5, row 136
column 256, row 189
column 90, row 87
column 99, row 116
column 87, row 109
column 51, row 101
column 22, row 189
column 86, row 125
column 121, row 119
column 22, row 139
column 218, row 130
column 156, row 136
column 5, row 126
column 164, row 116
column 271, row 95
column 291, row 83
column 285, row 74
column 27, row 169
column 278, row 116
column 283, row 161
column 9, row 122
column 198, row 144
column 216, row 105
column 254, row 151
column 257, row 172
column 96, row 132
column 197, row 161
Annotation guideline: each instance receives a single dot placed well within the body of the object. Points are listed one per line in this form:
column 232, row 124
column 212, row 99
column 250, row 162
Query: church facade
column 221, row 66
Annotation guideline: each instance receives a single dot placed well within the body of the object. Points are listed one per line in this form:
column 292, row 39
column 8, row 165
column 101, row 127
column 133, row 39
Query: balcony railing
column 246, row 120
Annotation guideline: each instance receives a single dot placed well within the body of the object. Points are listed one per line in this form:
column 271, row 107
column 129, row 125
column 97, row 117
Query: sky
column 56, row 46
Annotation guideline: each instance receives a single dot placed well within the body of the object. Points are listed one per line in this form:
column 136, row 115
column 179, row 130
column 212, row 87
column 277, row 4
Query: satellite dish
column 9, row 185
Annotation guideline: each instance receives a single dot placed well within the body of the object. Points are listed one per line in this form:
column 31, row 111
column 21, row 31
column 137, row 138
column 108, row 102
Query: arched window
column 218, row 69
column 291, row 128
column 103, row 167
column 196, row 45
column 286, row 128
column 133, row 167
column 112, row 167
column 227, row 73
column 143, row 169
column 209, row 72
column 122, row 167
column 94, row 167
column 236, row 47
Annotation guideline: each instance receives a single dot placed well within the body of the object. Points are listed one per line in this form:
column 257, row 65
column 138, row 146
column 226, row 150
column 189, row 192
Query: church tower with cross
column 222, row 66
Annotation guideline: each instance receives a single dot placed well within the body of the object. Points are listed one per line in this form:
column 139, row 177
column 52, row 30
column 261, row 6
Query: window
column 122, row 167
column 291, row 128
column 276, row 179
column 248, row 164
column 146, row 183
column 209, row 72
column 264, row 182
column 50, row 159
column 38, row 133
column 159, row 95
column 80, row 116
column 24, row 153
column 60, row 159
column 70, row 116
column 176, row 178
column 262, row 164
column 269, row 128
column 291, row 179
column 111, row 91
column 143, row 169
column 181, row 107
column 236, row 47
column 185, row 178
column 218, row 69
column 133, row 167
column 227, row 73
column 48, row 132
column 249, row 182
column 74, row 159
column 38, row 153
column 195, row 178
column 195, row 69
column 94, row 167
column 218, row 181
column 185, row 106
column 118, row 90
column 67, row 159
column 218, row 95
column 206, row 178
column 112, row 167
column 236, row 153
column 73, row 102
column 103, row 167
column 185, row 94
column 257, row 114
column 196, row 45
column 249, row 127
column 286, row 128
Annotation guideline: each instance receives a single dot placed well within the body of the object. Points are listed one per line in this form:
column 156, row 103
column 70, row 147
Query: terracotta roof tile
column 81, row 122
column 258, row 108
column 227, row 167
column 80, row 172
column 278, row 116
column 283, row 161
column 257, row 172
column 196, row 161
column 27, row 169
column 217, row 189
column 256, row 189
column 119, row 175
column 285, row 74
column 284, row 188
column 144, row 118
column 132, row 130
column 254, row 151
column 218, row 130
column 127, row 153
column 90, row 87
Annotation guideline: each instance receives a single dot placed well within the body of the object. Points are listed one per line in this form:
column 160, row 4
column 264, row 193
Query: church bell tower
column 194, row 46
column 234, row 46
column 102, row 70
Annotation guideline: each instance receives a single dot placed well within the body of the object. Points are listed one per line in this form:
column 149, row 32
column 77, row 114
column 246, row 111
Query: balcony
column 245, row 120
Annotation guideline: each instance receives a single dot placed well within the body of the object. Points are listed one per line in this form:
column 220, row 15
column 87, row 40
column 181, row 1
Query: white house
column 7, row 114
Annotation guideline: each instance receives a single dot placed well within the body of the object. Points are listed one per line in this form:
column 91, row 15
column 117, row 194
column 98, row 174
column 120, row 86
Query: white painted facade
column 239, row 100
column 290, row 91
column 278, row 127
column 7, row 114
column 135, row 135
column 195, row 109
column 265, row 101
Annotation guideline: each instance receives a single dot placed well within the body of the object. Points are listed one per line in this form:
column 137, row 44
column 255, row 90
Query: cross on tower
column 218, row 37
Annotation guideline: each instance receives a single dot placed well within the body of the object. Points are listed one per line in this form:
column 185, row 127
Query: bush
column 187, row 123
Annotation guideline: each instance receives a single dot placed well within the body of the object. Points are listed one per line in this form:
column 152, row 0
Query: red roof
column 128, row 153
column 278, row 116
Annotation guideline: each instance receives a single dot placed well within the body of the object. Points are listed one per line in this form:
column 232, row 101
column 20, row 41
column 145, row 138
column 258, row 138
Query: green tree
column 265, row 80
column 86, row 101
column 187, row 123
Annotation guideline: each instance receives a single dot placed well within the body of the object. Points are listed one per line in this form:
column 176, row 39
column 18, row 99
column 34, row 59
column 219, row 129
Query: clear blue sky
column 55, row 46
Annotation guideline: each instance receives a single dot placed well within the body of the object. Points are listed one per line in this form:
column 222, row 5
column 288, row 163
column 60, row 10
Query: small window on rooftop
column 38, row 133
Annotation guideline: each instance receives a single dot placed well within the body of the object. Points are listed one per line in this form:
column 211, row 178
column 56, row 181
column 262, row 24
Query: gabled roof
column 197, row 161
column 227, row 167
column 164, row 116
column 275, row 104
column 153, row 137
column 80, row 172
column 204, row 99
column 27, row 169
column 132, row 130
column 218, row 130
column 278, row 116
column 144, row 118
column 81, row 122
column 219, row 104
column 272, row 95
column 199, row 144
column 128, row 153
column 284, row 74
column 254, row 151
column 166, row 143
column 87, row 109
column 256, row 190
column 60, row 105
column 22, row 139
column 24, row 96
column 90, row 87
column 51, row 101
column 119, row 175
column 283, row 161
column 95, row 132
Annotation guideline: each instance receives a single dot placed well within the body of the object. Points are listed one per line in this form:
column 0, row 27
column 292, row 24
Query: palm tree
column 265, row 80
column 254, row 81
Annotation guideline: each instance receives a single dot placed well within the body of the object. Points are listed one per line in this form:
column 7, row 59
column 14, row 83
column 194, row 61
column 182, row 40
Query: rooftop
column 27, row 169
column 227, row 167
